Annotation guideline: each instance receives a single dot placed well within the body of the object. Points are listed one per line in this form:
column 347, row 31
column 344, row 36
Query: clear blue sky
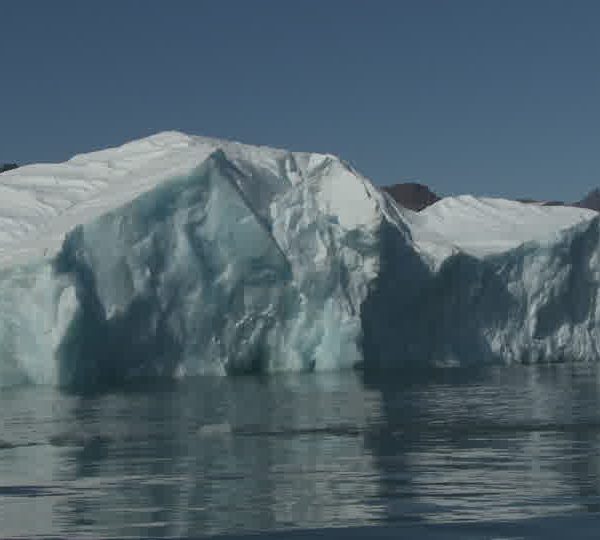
column 497, row 97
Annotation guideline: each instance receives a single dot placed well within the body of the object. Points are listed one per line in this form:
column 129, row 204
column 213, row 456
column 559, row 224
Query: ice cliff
column 179, row 255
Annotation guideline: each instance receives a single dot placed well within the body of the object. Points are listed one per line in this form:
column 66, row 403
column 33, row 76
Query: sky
column 490, row 97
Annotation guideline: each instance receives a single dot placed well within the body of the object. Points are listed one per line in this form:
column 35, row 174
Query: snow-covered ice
column 177, row 255
column 483, row 226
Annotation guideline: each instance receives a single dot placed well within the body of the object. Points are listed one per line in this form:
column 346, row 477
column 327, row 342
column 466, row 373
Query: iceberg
column 499, row 281
column 181, row 255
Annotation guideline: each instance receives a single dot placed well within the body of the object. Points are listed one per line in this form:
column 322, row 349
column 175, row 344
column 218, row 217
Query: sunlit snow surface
column 178, row 255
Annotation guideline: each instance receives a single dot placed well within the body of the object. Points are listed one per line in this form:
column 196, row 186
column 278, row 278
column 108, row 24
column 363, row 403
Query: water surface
column 503, row 452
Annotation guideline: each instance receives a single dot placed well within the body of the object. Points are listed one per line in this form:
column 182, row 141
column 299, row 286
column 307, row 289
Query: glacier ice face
column 479, row 303
column 224, row 258
column 179, row 255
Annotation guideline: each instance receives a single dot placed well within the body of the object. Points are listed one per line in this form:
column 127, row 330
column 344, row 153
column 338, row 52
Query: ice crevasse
column 177, row 255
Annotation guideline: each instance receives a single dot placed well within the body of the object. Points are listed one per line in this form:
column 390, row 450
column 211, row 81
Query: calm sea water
column 507, row 452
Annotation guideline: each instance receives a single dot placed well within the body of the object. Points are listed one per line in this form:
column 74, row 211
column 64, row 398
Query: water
column 497, row 453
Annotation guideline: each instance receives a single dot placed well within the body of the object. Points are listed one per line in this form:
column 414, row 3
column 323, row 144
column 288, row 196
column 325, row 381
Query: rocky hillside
column 412, row 195
column 7, row 167
column 591, row 200
column 418, row 196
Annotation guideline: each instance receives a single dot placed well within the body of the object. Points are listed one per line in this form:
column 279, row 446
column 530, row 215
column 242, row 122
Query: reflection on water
column 216, row 455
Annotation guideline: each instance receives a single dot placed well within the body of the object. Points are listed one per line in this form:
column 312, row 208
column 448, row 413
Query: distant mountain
column 591, row 200
column 8, row 167
column 412, row 195
column 417, row 197
column 542, row 203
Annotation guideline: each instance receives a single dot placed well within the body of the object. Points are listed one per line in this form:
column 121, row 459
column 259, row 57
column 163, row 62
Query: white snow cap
column 484, row 226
